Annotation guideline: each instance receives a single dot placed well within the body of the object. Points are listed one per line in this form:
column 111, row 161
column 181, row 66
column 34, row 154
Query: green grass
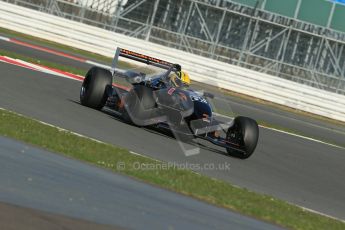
column 126, row 65
column 68, row 49
column 281, row 128
column 55, row 45
column 282, row 107
column 292, row 131
column 83, row 72
column 186, row 182
column 65, row 68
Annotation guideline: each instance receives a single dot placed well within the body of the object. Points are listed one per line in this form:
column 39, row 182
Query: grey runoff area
column 58, row 185
column 297, row 170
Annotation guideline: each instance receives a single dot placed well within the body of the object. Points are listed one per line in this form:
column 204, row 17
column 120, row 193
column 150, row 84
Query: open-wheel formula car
column 166, row 101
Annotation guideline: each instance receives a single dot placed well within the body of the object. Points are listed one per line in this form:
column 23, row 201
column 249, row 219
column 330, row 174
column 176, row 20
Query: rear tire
column 93, row 92
column 245, row 132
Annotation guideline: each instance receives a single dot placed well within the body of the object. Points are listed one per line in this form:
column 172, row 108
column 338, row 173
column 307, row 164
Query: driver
column 184, row 76
column 181, row 78
column 177, row 79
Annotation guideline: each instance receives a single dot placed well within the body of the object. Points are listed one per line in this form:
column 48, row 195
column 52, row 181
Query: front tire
column 93, row 92
column 245, row 133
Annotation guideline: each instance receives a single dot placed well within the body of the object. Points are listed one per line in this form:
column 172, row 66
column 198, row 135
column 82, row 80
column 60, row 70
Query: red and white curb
column 92, row 63
column 64, row 74
column 54, row 52
column 48, row 70
column 4, row 38
column 40, row 68
column 57, row 72
column 47, row 50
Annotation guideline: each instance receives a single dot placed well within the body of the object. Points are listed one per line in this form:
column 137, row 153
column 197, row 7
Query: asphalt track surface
column 300, row 171
column 305, row 125
column 94, row 198
column 14, row 217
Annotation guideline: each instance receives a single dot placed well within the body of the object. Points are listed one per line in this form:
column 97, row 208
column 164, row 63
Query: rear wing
column 143, row 59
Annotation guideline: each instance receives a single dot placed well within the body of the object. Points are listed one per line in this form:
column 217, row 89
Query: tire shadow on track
column 161, row 132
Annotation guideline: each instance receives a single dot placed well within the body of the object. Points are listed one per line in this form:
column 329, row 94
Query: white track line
column 4, row 38
column 303, row 137
column 107, row 67
column 40, row 68
column 97, row 64
column 292, row 134
column 316, row 212
column 134, row 153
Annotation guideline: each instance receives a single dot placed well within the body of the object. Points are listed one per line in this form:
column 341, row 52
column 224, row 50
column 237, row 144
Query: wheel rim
column 82, row 91
column 235, row 136
column 84, row 86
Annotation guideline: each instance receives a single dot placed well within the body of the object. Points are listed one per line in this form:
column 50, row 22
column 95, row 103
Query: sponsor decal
column 171, row 91
column 156, row 60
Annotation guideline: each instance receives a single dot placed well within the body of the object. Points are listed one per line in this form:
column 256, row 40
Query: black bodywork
column 157, row 101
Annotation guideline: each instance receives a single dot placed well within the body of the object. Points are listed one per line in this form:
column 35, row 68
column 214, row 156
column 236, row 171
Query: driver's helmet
column 185, row 78
column 176, row 82
column 180, row 79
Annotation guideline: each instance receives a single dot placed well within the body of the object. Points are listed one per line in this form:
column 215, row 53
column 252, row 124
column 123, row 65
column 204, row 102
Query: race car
column 165, row 100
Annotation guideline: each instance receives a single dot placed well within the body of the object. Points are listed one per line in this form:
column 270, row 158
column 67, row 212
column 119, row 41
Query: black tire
column 93, row 92
column 245, row 132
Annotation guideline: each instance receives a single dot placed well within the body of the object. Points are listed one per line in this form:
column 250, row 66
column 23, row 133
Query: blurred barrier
column 201, row 69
